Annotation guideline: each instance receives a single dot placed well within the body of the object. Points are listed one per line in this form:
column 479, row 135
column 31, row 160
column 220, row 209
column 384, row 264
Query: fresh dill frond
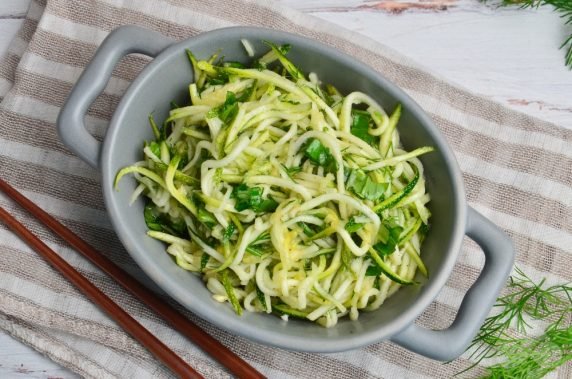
column 563, row 7
column 524, row 356
column 535, row 357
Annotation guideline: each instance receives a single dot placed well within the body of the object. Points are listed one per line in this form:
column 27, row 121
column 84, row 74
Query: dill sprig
column 535, row 357
column 563, row 7
column 526, row 356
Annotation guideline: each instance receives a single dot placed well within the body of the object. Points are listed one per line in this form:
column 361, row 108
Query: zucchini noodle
column 286, row 196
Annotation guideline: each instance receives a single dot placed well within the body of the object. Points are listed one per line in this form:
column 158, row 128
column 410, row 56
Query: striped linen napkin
column 517, row 171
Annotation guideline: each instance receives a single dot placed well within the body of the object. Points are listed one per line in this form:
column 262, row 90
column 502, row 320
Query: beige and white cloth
column 517, row 171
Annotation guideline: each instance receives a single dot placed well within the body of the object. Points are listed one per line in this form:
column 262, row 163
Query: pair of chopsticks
column 202, row 339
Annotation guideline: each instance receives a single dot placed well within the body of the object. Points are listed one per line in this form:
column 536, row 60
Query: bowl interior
column 167, row 78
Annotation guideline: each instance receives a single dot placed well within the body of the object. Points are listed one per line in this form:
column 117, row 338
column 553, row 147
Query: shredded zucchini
column 286, row 196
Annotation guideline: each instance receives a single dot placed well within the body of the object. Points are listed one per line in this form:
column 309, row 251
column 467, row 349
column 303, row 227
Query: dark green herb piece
column 251, row 198
column 320, row 155
column 317, row 152
column 363, row 186
column 387, row 248
column 161, row 222
column 247, row 93
column 229, row 109
column 267, row 205
column 360, row 126
column 424, row 229
column 352, row 226
column 373, row 269
column 204, row 261
column 152, row 218
column 308, row 231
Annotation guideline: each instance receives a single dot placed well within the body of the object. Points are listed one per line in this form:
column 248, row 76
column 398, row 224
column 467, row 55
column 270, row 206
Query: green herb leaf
column 229, row 109
column 307, row 229
column 251, row 198
column 204, row 261
column 373, row 269
column 317, row 152
column 363, row 186
column 352, row 226
column 360, row 126
column 267, row 205
column 320, row 155
column 161, row 222
column 385, row 249
column 246, row 197
column 247, row 93
column 152, row 218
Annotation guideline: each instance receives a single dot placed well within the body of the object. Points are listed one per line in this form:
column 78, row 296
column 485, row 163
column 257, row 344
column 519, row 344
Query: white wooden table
column 508, row 55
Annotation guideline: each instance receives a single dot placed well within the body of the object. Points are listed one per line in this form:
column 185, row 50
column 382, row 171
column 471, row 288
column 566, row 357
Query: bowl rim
column 235, row 324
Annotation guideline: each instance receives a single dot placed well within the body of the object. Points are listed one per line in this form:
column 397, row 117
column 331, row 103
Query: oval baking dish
column 166, row 78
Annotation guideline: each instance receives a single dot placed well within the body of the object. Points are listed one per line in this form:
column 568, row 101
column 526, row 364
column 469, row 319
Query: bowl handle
column 120, row 42
column 450, row 343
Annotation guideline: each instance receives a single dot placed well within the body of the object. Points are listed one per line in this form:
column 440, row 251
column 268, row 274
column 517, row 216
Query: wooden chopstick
column 131, row 326
column 202, row 339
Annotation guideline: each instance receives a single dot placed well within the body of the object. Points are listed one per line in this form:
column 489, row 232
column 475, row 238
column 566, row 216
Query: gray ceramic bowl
column 167, row 77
